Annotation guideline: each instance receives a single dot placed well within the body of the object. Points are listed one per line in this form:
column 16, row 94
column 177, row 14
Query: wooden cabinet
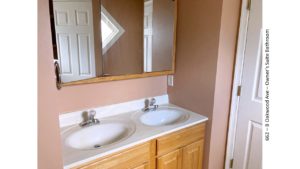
column 193, row 155
column 184, row 148
column 178, row 150
column 180, row 138
column 132, row 158
column 188, row 157
column 171, row 160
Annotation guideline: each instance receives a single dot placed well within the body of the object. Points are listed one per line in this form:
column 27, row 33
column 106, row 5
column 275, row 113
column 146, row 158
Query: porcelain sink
column 99, row 135
column 163, row 116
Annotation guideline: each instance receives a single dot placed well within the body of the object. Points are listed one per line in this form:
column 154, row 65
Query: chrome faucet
column 150, row 105
column 89, row 119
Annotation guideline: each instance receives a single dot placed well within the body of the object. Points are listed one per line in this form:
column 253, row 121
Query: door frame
column 239, row 64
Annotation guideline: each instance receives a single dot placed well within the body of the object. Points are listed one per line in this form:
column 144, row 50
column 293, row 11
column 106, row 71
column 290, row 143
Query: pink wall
column 224, row 80
column 52, row 102
column 196, row 59
column 206, row 40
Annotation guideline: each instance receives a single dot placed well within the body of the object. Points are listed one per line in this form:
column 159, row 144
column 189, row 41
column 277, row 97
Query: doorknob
column 57, row 73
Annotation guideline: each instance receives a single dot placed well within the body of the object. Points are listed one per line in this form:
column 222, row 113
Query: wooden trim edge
column 116, row 78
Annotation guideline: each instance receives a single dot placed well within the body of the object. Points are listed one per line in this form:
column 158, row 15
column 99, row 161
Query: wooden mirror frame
column 133, row 76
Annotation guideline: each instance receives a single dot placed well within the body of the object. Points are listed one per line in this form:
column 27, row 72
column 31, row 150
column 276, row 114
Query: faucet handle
column 92, row 117
column 152, row 101
column 92, row 114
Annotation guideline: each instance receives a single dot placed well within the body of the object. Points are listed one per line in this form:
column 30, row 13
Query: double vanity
column 164, row 136
column 102, row 40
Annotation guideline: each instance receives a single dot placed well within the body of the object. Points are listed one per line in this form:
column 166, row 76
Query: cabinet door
column 144, row 166
column 193, row 155
column 171, row 160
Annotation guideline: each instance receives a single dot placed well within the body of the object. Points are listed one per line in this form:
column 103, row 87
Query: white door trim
column 239, row 64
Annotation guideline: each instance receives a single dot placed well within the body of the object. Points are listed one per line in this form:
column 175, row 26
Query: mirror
column 101, row 40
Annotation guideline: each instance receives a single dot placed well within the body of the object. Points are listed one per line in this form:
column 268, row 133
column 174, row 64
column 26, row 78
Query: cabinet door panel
column 193, row 155
column 170, row 161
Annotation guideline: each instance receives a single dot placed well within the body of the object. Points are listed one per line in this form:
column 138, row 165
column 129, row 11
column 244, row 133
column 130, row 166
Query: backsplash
column 66, row 119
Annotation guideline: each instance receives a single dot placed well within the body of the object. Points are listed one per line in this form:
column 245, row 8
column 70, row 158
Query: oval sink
column 97, row 136
column 164, row 116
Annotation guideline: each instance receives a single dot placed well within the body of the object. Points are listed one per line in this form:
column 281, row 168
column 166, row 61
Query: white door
column 75, row 39
column 148, row 13
column 248, row 142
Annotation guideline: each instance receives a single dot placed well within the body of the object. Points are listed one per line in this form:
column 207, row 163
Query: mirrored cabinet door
column 124, row 49
column 103, row 39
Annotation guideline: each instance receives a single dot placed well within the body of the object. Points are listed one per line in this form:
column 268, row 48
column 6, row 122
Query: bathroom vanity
column 170, row 151
column 168, row 137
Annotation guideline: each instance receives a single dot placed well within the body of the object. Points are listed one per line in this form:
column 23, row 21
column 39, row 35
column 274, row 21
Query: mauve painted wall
column 206, row 40
column 196, row 59
column 224, row 80
column 52, row 102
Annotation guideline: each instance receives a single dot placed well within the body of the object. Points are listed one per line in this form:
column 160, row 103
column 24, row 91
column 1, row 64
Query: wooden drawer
column 129, row 158
column 179, row 139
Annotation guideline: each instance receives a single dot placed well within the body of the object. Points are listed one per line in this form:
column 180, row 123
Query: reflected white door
column 148, row 13
column 248, row 141
column 75, row 39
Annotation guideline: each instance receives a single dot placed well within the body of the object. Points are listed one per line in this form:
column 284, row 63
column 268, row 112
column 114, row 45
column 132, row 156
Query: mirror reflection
column 158, row 35
column 123, row 54
column 99, row 38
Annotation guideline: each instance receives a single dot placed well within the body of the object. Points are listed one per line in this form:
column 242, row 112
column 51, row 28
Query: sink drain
column 97, row 146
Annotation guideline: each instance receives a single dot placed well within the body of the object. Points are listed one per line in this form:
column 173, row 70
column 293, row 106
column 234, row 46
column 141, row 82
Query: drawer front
column 180, row 138
column 126, row 159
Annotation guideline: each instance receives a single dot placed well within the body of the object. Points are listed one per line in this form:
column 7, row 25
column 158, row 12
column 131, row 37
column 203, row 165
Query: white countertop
column 73, row 157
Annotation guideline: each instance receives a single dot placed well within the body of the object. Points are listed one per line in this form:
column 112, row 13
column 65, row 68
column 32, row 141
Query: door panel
column 193, row 155
column 65, row 52
column 248, row 141
column 75, row 39
column 170, row 161
column 84, row 54
column 254, row 153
